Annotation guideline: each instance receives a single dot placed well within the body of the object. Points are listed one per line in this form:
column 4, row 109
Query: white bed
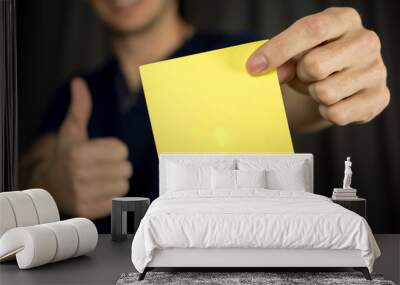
column 249, row 227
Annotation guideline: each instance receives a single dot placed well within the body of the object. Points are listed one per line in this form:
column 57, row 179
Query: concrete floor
column 110, row 260
column 389, row 262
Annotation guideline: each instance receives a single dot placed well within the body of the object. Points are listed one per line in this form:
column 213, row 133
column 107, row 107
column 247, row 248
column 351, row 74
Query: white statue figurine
column 347, row 174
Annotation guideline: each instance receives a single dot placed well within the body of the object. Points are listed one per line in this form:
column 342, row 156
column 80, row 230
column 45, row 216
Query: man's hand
column 334, row 59
column 85, row 174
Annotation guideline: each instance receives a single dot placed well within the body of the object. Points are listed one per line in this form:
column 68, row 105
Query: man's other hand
column 333, row 58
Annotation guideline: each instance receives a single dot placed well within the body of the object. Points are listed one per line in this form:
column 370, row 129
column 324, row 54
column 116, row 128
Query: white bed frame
column 251, row 258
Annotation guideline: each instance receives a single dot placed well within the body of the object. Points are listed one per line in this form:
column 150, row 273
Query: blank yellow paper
column 208, row 103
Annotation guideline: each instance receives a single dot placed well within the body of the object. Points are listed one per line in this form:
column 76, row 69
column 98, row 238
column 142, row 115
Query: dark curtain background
column 58, row 38
column 8, row 96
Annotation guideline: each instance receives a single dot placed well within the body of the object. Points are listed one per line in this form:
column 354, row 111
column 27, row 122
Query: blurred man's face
column 129, row 16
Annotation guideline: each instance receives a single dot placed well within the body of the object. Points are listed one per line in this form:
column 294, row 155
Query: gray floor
column 110, row 260
column 103, row 266
column 389, row 262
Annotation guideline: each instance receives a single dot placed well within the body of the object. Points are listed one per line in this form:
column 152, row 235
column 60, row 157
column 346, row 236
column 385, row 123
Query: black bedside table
column 120, row 207
column 357, row 205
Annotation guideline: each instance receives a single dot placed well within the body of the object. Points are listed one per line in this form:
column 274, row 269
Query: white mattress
column 250, row 218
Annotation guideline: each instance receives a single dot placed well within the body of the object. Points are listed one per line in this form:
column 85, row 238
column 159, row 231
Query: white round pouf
column 30, row 230
column 7, row 218
column 34, row 245
column 67, row 239
column 87, row 235
column 23, row 208
column 45, row 205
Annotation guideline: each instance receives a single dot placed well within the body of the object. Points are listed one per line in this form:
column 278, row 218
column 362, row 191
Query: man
column 97, row 141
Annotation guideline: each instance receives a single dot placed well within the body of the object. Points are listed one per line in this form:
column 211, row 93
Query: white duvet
column 250, row 218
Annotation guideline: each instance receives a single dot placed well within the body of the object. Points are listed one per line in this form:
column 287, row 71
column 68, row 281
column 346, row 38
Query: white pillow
column 223, row 179
column 237, row 179
column 183, row 177
column 282, row 174
column 190, row 174
column 219, row 164
column 251, row 178
column 291, row 179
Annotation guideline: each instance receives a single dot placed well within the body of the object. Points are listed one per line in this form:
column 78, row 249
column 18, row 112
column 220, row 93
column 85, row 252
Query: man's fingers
column 98, row 191
column 74, row 127
column 95, row 190
column 305, row 34
column 338, row 55
column 111, row 171
column 101, row 150
column 359, row 108
column 287, row 72
column 92, row 210
column 107, row 149
column 347, row 82
column 112, row 189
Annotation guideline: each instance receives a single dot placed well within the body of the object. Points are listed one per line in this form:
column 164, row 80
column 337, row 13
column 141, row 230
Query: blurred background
column 57, row 39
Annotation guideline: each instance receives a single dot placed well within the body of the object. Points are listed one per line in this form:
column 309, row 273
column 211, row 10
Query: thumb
column 74, row 127
column 287, row 72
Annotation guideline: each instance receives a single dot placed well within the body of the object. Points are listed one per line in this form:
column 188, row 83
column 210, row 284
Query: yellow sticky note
column 208, row 103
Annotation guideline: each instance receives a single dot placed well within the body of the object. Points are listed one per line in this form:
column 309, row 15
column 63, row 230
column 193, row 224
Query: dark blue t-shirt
column 122, row 113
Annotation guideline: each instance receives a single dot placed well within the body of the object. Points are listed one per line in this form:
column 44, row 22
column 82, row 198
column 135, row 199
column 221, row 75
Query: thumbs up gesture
column 87, row 172
column 74, row 127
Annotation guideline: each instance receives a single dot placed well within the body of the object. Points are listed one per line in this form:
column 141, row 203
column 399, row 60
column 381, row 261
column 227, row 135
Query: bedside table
column 120, row 207
column 357, row 205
